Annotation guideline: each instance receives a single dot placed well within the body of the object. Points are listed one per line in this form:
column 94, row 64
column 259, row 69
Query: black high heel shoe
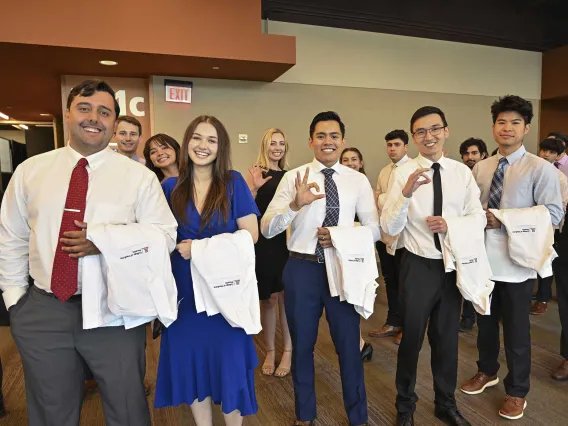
column 367, row 352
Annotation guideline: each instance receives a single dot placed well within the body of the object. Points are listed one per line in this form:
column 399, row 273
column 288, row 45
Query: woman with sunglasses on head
column 203, row 359
column 271, row 255
column 352, row 158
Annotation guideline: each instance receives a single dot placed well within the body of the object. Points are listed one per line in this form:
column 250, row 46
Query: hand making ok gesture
column 304, row 194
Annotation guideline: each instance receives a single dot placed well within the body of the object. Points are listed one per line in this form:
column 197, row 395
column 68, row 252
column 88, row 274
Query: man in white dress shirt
column 424, row 192
column 44, row 220
column 309, row 199
column 397, row 150
column 512, row 179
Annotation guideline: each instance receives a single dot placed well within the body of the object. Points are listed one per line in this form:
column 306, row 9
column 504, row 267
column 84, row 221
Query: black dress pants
column 429, row 297
column 390, row 267
column 511, row 302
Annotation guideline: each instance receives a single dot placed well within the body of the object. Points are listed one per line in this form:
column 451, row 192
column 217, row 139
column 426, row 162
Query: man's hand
column 413, row 182
column 304, row 195
column 184, row 249
column 492, row 221
column 76, row 243
column 437, row 224
column 324, row 238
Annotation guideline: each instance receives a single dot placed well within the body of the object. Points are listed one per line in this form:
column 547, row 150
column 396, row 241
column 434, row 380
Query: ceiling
column 30, row 82
column 537, row 25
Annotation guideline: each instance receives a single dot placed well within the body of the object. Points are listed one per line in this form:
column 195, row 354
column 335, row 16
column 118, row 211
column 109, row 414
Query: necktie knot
column 83, row 162
column 328, row 172
column 436, row 166
column 502, row 162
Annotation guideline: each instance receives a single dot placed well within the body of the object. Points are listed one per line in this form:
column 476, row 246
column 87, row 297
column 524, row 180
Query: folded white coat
column 135, row 264
column 531, row 237
column 464, row 252
column 352, row 268
column 224, row 279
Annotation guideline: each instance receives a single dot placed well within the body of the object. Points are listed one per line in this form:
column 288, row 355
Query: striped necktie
column 331, row 207
column 496, row 189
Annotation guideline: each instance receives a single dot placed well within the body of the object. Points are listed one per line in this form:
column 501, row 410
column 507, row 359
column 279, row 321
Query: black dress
column 272, row 254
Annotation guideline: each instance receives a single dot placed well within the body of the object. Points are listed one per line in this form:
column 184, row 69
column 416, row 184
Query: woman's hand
column 184, row 248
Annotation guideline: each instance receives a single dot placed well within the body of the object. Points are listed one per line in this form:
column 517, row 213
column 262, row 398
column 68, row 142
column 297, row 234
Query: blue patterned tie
column 496, row 189
column 331, row 207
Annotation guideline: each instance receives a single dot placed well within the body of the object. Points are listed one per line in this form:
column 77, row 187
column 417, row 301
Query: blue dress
column 203, row 356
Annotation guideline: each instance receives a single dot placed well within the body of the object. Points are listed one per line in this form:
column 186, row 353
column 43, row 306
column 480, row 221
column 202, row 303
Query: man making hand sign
column 424, row 191
column 300, row 203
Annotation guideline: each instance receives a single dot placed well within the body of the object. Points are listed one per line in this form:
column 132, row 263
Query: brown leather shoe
column 385, row 331
column 398, row 337
column 539, row 308
column 478, row 383
column 513, row 408
column 562, row 372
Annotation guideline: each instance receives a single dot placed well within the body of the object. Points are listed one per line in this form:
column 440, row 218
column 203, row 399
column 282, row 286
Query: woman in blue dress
column 203, row 359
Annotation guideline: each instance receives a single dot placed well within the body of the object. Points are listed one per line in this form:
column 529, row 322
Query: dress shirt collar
column 95, row 160
column 317, row 167
column 563, row 160
column 517, row 155
column 427, row 164
column 400, row 162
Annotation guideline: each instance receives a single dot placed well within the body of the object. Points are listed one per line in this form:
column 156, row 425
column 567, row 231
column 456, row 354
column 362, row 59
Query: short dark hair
column 559, row 135
column 423, row 112
column 88, row 88
column 554, row 145
column 468, row 143
column 327, row 116
column 512, row 103
column 130, row 120
column 397, row 134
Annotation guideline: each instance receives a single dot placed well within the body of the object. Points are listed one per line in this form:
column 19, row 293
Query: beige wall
column 339, row 57
column 15, row 135
column 251, row 108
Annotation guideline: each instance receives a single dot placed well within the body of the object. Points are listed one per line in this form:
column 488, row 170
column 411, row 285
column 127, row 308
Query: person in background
column 423, row 193
column 271, row 255
column 44, row 221
column 562, row 159
column 203, row 359
column 352, row 158
column 550, row 150
column 512, row 179
column 161, row 153
column 127, row 137
column 396, row 142
column 306, row 286
column 472, row 151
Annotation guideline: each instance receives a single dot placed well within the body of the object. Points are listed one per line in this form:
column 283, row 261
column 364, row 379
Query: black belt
column 304, row 256
column 74, row 298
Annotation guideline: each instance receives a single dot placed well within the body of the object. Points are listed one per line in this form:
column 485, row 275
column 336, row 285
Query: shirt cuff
column 12, row 295
column 290, row 214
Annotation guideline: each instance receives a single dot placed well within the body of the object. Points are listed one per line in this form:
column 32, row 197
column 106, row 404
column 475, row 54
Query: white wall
column 339, row 57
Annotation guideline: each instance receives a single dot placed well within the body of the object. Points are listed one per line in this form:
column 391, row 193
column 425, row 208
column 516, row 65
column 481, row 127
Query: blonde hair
column 263, row 160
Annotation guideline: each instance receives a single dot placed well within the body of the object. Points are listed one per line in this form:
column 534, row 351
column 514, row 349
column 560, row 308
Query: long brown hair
column 356, row 151
column 217, row 199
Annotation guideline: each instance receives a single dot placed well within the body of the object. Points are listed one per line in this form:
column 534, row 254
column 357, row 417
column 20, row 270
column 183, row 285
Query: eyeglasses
column 434, row 131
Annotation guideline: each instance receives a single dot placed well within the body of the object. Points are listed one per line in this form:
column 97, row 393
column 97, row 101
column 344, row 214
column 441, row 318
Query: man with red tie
column 49, row 205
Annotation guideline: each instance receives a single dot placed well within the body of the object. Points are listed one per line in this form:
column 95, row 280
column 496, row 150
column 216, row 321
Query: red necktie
column 65, row 271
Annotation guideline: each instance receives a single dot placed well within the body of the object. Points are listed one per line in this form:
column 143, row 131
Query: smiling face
column 203, row 146
column 327, row 142
column 91, row 122
column 127, row 138
column 429, row 135
column 351, row 159
column 162, row 155
column 510, row 129
column 276, row 147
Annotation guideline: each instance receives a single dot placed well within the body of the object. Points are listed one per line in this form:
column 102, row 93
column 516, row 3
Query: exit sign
column 178, row 91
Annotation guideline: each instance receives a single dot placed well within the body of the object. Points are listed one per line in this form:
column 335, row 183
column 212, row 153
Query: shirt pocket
column 113, row 214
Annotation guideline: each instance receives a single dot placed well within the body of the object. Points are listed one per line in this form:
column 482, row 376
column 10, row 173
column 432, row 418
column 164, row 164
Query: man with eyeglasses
column 424, row 192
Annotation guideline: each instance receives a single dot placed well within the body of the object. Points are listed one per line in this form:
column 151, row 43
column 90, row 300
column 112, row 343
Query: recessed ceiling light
column 108, row 63
column 45, row 115
column 23, row 126
column 4, row 116
column 215, row 68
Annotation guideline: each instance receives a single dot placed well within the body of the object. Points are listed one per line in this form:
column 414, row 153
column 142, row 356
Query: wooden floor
column 547, row 401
